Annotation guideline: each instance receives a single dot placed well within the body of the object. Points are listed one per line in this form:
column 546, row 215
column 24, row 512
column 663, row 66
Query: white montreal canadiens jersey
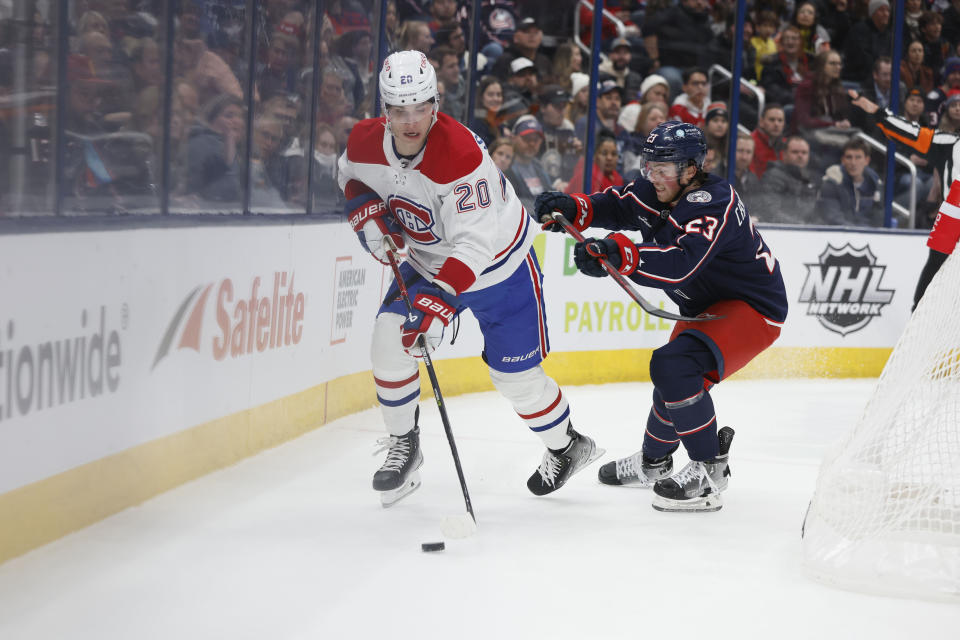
column 451, row 199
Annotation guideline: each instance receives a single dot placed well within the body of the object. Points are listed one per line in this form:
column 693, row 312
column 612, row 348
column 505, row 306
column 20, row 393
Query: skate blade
column 707, row 503
column 632, row 485
column 393, row 496
column 597, row 452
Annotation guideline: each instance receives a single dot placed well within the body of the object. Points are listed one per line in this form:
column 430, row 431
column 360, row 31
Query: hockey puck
column 432, row 546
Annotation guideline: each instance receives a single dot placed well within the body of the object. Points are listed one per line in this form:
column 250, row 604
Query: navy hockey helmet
column 678, row 142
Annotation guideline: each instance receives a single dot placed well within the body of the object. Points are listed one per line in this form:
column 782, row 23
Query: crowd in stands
column 226, row 128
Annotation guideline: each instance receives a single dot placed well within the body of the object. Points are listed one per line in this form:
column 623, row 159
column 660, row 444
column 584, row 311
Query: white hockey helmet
column 408, row 78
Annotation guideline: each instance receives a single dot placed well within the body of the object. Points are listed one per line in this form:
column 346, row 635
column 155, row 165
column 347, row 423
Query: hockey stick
column 624, row 283
column 452, row 526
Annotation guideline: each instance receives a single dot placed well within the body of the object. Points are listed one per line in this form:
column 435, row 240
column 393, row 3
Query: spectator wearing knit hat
column 914, row 107
column 717, row 126
column 951, row 81
column 654, row 88
column 867, row 40
column 579, row 96
column 950, row 112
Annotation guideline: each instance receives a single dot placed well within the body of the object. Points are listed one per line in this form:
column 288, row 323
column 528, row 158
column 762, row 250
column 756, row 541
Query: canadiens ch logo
column 699, row 196
column 417, row 220
column 843, row 288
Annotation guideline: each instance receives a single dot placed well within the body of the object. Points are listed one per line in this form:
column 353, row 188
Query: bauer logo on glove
column 433, row 309
column 372, row 209
column 373, row 221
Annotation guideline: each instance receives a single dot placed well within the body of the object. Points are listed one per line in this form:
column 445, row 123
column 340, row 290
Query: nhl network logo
column 843, row 289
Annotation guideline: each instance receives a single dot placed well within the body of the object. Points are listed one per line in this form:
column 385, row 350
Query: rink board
column 133, row 361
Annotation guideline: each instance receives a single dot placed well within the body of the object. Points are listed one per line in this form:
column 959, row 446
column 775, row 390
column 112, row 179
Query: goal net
column 885, row 516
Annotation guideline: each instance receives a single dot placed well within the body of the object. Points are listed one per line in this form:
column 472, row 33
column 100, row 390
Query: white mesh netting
column 885, row 516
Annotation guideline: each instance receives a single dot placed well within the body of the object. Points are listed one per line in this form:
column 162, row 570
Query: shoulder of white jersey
column 365, row 144
column 453, row 151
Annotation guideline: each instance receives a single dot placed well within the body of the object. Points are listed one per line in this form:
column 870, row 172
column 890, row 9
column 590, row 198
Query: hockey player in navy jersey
column 424, row 181
column 701, row 247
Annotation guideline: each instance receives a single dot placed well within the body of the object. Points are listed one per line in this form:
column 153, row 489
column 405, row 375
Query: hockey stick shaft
column 428, row 362
column 621, row 279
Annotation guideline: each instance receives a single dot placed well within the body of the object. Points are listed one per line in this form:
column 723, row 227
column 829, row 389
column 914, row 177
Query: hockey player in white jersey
column 421, row 179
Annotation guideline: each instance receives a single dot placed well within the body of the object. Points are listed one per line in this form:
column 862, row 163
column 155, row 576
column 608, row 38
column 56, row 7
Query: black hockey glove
column 575, row 208
column 616, row 248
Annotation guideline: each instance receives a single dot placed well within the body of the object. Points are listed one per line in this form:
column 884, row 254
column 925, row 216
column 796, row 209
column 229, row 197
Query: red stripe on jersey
column 456, row 274
column 365, row 144
column 553, row 405
column 538, row 292
column 452, row 152
column 355, row 188
column 386, row 384
column 945, row 233
column 954, row 196
column 523, row 220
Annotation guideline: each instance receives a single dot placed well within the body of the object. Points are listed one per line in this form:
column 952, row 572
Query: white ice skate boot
column 698, row 485
column 398, row 477
column 636, row 471
column 557, row 466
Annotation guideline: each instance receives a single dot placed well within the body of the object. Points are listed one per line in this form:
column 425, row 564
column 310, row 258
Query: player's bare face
column 409, row 126
column 665, row 179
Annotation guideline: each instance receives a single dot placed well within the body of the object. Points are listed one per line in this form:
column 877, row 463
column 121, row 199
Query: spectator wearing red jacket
column 691, row 105
column 768, row 138
column 605, row 173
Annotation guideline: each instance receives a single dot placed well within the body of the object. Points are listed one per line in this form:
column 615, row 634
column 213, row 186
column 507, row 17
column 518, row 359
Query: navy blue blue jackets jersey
column 706, row 250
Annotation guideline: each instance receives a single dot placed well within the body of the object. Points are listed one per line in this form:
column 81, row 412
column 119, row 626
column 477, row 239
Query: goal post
column 885, row 515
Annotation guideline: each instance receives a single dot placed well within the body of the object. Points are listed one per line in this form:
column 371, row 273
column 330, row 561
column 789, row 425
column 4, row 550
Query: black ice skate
column 698, row 485
column 557, row 466
column 398, row 477
column 636, row 471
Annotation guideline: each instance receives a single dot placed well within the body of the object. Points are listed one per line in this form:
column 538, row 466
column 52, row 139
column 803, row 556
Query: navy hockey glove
column 433, row 309
column 372, row 221
column 616, row 248
column 575, row 208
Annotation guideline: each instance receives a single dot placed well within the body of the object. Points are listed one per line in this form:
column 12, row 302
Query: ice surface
column 293, row 543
